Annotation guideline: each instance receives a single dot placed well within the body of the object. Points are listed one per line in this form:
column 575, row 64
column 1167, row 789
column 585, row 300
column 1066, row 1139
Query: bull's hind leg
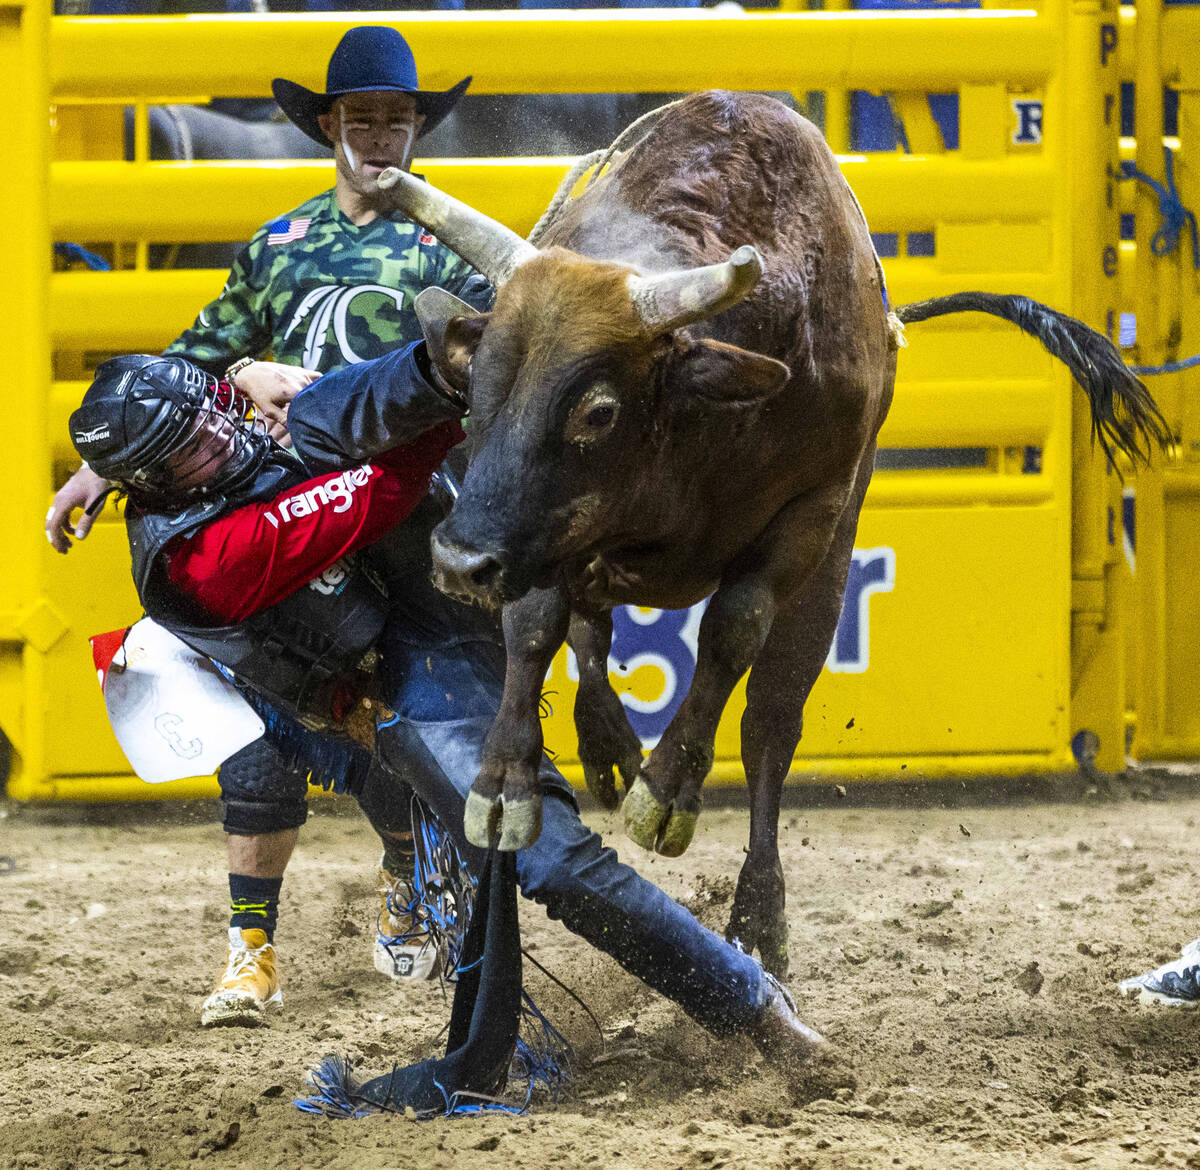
column 663, row 805
column 776, row 691
column 607, row 744
column 783, row 674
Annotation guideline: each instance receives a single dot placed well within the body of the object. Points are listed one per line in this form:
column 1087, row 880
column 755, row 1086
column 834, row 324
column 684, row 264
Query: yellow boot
column 249, row 986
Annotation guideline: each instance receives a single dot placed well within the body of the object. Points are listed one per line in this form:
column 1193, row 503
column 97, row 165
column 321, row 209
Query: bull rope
column 600, row 159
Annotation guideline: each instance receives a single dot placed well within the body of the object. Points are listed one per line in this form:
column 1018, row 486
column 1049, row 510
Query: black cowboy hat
column 366, row 58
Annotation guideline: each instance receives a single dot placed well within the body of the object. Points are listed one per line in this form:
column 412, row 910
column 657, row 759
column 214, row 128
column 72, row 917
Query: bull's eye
column 593, row 415
column 600, row 416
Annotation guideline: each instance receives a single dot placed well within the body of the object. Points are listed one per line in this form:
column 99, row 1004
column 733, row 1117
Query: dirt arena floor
column 964, row 957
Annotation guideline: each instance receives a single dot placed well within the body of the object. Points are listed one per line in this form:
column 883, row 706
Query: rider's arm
column 258, row 554
column 361, row 410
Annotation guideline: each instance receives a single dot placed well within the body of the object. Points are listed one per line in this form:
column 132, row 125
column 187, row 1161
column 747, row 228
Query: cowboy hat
column 366, row 58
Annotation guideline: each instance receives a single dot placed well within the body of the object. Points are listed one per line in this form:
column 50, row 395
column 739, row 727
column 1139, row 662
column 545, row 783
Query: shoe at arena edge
column 404, row 948
column 249, row 986
column 1174, row 984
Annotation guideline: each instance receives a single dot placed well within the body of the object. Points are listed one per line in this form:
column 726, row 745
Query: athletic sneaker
column 1174, row 984
column 404, row 946
column 249, row 986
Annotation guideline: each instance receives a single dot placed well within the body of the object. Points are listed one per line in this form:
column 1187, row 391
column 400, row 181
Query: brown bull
column 661, row 412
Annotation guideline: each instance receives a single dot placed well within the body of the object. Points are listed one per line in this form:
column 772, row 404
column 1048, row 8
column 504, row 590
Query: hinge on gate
column 1088, row 595
column 41, row 625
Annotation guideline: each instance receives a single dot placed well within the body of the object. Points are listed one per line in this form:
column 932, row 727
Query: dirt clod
column 1031, row 979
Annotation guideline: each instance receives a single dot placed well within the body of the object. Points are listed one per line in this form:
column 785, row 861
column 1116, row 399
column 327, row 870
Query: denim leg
column 445, row 696
column 582, row 883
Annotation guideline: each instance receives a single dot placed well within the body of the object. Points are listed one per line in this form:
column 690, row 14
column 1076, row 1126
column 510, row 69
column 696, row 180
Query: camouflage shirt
column 313, row 289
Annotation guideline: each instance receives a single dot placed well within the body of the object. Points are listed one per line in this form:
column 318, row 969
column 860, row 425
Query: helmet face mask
column 168, row 432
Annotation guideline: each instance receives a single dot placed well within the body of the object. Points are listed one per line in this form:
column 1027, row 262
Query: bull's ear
column 725, row 374
column 452, row 331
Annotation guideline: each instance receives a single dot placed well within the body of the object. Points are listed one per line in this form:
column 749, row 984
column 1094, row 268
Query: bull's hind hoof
column 521, row 824
column 653, row 825
column 773, row 951
column 602, row 786
column 481, row 819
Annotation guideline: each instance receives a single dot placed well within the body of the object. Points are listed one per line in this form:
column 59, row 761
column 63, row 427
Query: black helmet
column 140, row 410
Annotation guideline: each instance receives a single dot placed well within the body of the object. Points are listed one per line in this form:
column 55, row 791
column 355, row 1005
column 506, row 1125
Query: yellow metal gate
column 981, row 633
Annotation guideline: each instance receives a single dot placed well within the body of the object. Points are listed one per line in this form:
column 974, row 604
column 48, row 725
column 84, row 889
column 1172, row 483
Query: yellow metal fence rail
column 591, row 51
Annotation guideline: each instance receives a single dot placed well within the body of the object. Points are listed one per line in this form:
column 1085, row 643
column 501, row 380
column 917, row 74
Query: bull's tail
column 1124, row 415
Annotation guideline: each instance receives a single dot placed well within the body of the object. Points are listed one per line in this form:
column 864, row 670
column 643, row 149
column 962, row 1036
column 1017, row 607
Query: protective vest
column 306, row 653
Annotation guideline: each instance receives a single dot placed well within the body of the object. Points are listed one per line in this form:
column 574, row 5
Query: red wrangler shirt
column 256, row 555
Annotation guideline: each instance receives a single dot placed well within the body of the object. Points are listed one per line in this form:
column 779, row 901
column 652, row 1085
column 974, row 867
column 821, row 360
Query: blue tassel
column 437, row 906
column 438, row 902
column 333, row 763
column 337, row 1094
column 544, row 1055
column 333, row 1080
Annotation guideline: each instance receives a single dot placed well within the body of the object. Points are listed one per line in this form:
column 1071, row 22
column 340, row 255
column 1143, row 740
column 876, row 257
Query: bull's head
column 581, row 384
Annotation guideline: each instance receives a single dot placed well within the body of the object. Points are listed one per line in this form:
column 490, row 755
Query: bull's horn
column 674, row 299
column 482, row 242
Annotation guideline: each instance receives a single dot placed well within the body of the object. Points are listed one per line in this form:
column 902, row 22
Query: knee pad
column 253, row 818
column 260, row 793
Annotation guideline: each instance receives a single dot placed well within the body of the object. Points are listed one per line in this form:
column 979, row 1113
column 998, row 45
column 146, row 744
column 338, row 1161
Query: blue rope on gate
column 77, row 253
column 1168, row 367
column 1175, row 216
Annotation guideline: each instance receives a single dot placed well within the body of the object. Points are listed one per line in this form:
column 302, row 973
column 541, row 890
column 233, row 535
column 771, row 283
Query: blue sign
column 872, row 570
column 665, row 639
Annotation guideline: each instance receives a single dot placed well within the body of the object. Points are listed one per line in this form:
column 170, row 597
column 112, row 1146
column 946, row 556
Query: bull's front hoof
column 644, row 815
column 481, row 819
column 521, row 824
column 654, row 825
column 677, row 833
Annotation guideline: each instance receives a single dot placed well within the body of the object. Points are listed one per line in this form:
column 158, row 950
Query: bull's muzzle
column 465, row 572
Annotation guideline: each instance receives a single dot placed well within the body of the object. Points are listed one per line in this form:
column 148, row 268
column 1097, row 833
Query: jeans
column 444, row 668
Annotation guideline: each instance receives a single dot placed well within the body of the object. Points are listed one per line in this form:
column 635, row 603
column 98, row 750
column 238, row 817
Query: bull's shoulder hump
column 740, row 136
column 720, row 110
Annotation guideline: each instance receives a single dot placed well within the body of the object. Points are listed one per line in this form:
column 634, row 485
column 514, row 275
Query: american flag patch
column 426, row 238
column 285, row 231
